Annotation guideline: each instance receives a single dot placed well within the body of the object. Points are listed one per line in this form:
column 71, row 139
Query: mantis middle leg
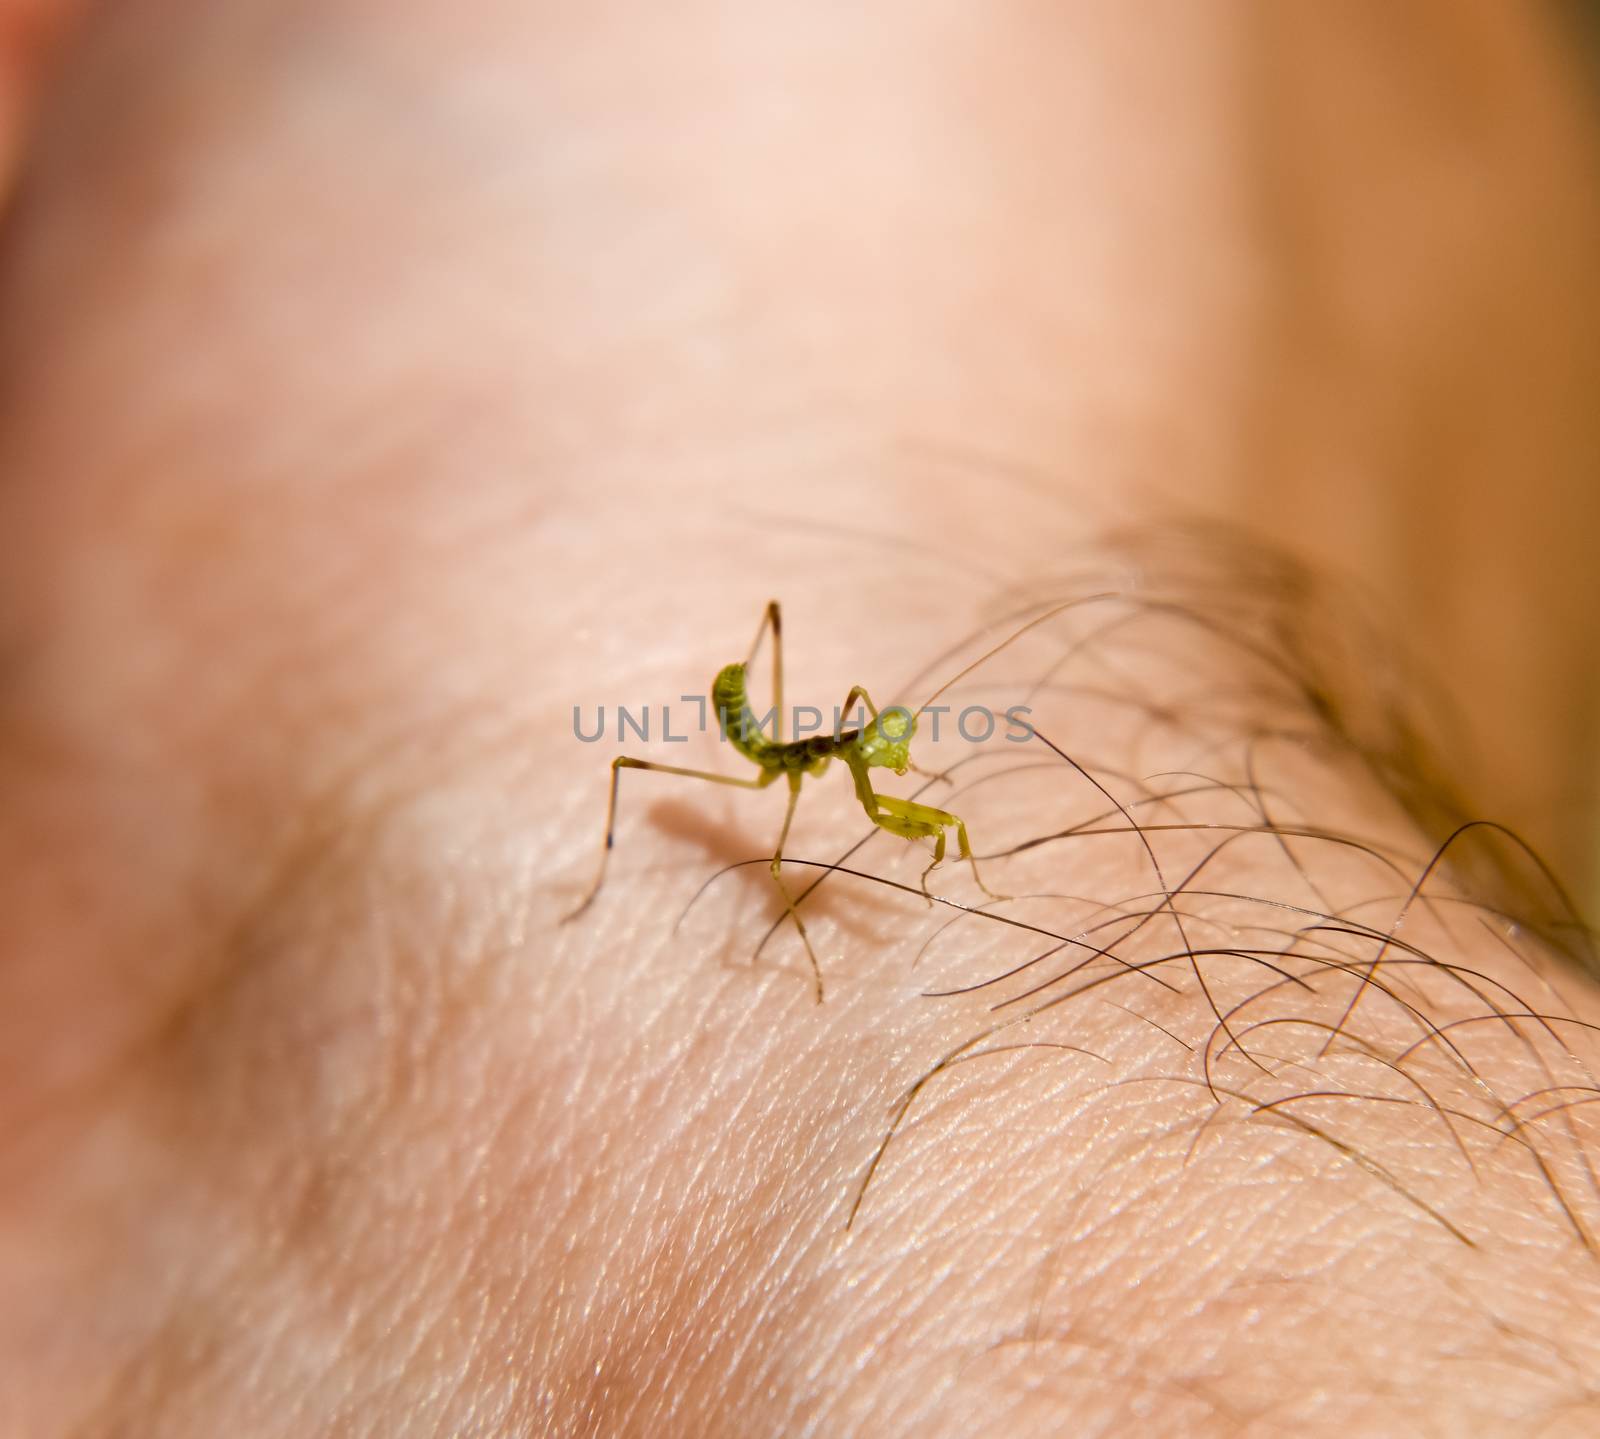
column 795, row 778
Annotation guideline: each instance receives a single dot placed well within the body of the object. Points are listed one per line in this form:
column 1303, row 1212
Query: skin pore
column 380, row 382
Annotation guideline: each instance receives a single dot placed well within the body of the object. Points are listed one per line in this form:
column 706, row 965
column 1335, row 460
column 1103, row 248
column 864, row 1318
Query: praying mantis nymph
column 884, row 742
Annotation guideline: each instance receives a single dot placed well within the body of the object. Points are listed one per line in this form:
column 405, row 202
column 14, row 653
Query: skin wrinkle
column 185, row 1042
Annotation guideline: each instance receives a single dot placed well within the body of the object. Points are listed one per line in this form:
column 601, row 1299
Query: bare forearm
column 577, row 350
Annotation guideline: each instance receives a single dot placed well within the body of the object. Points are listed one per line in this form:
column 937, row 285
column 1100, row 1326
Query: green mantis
column 883, row 742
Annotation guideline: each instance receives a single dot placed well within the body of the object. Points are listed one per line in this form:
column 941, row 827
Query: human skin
column 381, row 383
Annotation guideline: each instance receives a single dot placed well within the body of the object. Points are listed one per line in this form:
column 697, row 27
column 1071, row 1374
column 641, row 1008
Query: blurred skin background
column 1420, row 216
column 1324, row 271
column 1429, row 180
column 1421, row 213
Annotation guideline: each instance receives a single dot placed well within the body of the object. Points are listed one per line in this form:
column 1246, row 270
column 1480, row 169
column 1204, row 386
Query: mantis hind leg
column 772, row 619
column 623, row 762
column 911, row 820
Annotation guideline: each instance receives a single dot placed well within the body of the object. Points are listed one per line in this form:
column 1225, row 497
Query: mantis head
column 886, row 741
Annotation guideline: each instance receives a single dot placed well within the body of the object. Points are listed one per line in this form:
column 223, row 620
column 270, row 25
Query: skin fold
column 382, row 382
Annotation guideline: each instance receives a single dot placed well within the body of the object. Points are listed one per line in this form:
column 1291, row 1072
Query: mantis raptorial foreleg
column 911, row 820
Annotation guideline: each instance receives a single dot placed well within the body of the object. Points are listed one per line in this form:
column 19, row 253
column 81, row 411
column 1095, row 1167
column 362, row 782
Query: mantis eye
column 896, row 723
